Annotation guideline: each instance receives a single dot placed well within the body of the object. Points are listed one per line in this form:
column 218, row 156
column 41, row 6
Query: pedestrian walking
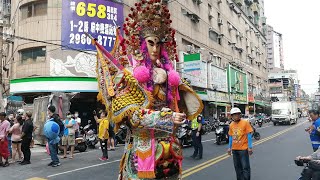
column 53, row 144
column 196, row 126
column 240, row 144
column 16, row 131
column 68, row 138
column 4, row 130
column 26, row 137
column 314, row 129
column 103, row 133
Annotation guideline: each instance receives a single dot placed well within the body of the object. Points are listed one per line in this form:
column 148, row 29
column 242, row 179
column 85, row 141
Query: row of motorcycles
column 88, row 137
column 184, row 132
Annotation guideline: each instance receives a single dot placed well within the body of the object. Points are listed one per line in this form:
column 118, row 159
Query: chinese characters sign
column 98, row 18
column 218, row 79
column 195, row 70
column 238, row 86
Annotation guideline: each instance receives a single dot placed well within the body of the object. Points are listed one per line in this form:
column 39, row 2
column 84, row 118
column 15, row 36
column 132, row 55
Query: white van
column 284, row 112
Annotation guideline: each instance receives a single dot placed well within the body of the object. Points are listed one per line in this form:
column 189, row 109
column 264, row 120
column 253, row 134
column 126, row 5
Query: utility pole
column 1, row 66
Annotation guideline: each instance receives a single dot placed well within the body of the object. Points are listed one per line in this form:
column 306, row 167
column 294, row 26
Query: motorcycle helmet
column 20, row 112
column 235, row 111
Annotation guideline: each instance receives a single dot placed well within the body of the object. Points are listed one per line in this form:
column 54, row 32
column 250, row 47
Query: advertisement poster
column 237, row 83
column 218, row 79
column 99, row 18
column 195, row 70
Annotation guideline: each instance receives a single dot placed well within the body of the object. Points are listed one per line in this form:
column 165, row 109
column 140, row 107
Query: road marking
column 79, row 153
column 213, row 161
column 36, row 178
column 264, row 127
column 96, row 165
column 208, row 140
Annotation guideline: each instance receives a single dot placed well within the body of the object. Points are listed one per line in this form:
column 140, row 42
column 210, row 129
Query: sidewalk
column 38, row 149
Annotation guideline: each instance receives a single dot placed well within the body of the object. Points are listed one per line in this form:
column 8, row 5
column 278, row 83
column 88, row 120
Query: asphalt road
column 272, row 160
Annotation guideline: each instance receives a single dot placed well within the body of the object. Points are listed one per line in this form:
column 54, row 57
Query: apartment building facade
column 274, row 50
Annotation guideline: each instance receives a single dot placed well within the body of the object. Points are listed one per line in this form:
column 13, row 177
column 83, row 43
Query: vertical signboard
column 237, row 84
column 296, row 89
column 95, row 17
column 195, row 70
column 218, row 79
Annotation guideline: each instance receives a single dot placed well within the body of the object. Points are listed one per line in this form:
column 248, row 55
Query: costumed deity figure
column 141, row 89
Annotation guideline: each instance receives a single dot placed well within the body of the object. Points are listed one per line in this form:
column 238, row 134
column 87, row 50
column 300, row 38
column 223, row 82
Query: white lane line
column 87, row 167
column 264, row 127
column 79, row 153
column 208, row 140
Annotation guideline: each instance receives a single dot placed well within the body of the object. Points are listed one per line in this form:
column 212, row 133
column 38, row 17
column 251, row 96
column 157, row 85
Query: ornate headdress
column 149, row 18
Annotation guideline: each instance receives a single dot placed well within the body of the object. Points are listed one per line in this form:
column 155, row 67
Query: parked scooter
column 184, row 135
column 222, row 134
column 90, row 135
column 80, row 145
column 121, row 135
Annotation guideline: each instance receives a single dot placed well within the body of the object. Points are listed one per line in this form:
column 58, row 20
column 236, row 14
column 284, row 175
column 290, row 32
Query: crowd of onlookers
column 16, row 137
column 17, row 130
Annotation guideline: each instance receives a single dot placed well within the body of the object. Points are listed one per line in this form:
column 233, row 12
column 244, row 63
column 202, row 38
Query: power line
column 45, row 42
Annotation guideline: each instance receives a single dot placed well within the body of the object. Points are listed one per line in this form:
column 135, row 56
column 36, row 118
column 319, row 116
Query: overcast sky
column 298, row 21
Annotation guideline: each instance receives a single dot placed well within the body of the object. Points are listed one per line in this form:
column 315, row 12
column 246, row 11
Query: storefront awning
column 53, row 84
column 220, row 104
column 260, row 103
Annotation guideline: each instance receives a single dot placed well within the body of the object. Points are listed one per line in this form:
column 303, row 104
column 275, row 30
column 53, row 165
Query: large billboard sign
column 98, row 18
column 238, row 85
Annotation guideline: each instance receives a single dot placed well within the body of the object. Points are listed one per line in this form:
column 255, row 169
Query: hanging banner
column 96, row 17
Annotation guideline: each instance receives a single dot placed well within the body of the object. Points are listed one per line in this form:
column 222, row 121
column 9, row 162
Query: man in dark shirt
column 26, row 137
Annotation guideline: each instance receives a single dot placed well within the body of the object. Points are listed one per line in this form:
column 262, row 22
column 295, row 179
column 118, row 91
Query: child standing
column 103, row 133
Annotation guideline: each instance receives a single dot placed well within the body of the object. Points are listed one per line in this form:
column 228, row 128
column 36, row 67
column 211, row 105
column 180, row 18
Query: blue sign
column 98, row 18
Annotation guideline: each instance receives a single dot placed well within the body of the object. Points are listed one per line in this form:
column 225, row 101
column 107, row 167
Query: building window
column 34, row 54
column 37, row 8
column 214, row 36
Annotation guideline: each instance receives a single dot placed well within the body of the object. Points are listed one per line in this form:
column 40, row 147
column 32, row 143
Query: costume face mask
column 153, row 45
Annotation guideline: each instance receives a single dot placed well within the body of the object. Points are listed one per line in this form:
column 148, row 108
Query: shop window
column 37, row 8
column 34, row 54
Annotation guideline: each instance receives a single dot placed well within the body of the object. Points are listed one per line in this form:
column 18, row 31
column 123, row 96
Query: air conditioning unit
column 220, row 22
column 238, row 34
column 165, row 1
column 210, row 15
column 248, row 44
column 184, row 12
column 197, row 1
column 230, row 27
column 189, row 48
column 231, row 5
column 194, row 18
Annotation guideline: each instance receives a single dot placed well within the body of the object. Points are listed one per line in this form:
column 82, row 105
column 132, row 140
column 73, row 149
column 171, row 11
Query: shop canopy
column 220, row 104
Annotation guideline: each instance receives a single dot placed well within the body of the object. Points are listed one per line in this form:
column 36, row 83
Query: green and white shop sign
column 237, row 85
